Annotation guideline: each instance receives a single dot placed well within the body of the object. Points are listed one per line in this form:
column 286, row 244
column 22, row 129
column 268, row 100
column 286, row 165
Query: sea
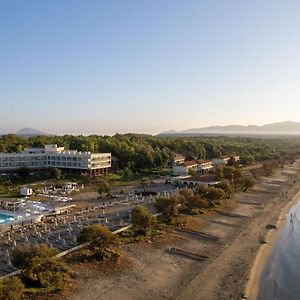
column 280, row 278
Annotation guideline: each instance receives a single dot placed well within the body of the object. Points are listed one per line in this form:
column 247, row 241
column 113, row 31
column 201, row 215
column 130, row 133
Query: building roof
column 224, row 157
column 178, row 155
column 188, row 163
column 201, row 178
column 204, row 161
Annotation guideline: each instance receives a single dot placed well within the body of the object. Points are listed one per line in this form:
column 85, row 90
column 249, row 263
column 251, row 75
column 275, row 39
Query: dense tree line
column 137, row 151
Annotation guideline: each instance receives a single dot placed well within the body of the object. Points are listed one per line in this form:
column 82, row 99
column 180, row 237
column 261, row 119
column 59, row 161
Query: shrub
column 215, row 194
column 202, row 190
column 142, row 218
column 39, row 265
column 145, row 182
column 53, row 274
column 186, row 193
column 28, row 258
column 196, row 202
column 167, row 206
column 104, row 187
column 225, row 186
column 11, row 288
column 97, row 235
column 247, row 183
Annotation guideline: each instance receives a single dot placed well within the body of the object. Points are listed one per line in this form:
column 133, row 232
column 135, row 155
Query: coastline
column 231, row 260
column 264, row 251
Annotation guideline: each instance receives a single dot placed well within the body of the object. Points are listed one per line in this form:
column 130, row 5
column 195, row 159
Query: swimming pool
column 4, row 219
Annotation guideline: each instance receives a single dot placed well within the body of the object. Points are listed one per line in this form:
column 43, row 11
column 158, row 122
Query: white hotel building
column 51, row 156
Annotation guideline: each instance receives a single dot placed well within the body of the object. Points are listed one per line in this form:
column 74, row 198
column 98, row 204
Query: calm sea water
column 281, row 276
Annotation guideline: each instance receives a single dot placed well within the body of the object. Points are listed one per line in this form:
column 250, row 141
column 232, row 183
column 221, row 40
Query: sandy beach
column 214, row 261
column 264, row 251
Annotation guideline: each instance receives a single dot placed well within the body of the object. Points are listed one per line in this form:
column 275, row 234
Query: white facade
column 221, row 160
column 180, row 170
column 206, row 180
column 184, row 168
column 52, row 156
column 24, row 191
column 201, row 166
column 11, row 161
column 205, row 166
column 236, row 158
column 178, row 159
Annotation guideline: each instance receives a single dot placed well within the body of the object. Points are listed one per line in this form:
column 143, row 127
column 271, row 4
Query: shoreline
column 264, row 251
column 234, row 262
column 237, row 269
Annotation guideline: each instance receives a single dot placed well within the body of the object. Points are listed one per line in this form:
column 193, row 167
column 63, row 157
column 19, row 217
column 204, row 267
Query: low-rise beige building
column 185, row 167
column 205, row 166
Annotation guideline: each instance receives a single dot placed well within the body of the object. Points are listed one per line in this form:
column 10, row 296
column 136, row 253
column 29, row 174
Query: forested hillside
column 137, row 151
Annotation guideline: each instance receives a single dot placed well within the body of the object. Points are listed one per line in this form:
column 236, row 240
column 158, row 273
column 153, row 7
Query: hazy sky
column 111, row 66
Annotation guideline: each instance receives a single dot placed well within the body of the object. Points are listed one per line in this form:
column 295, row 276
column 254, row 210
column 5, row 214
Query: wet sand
column 264, row 251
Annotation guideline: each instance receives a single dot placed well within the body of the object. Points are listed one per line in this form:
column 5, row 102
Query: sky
column 95, row 66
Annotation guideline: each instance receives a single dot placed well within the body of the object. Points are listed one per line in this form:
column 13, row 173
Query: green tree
column 39, row 264
column 11, row 288
column 229, row 173
column 226, row 187
column 219, row 172
column 269, row 166
column 196, row 202
column 23, row 172
column 246, row 183
column 144, row 156
column 98, row 236
column 19, row 149
column 127, row 173
column 28, row 258
column 247, row 160
column 202, row 190
column 53, row 274
column 186, row 194
column 167, row 206
column 142, row 218
column 57, row 173
column 215, row 194
column 104, row 187
column 192, row 172
column 145, row 182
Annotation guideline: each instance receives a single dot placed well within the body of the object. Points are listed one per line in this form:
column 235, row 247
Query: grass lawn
column 10, row 195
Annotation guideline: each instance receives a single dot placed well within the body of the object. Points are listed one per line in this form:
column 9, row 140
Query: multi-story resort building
column 51, row 156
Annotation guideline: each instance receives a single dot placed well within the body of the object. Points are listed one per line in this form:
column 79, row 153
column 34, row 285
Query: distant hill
column 280, row 128
column 28, row 132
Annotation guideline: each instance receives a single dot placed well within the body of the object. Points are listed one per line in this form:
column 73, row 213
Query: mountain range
column 288, row 127
column 29, row 132
column 279, row 128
